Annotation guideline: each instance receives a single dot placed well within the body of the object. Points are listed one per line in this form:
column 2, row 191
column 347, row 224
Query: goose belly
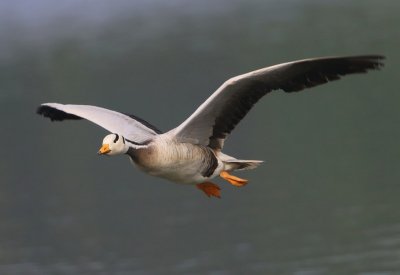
column 179, row 162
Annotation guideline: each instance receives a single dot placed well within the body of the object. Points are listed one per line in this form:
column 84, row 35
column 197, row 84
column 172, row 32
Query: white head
column 113, row 144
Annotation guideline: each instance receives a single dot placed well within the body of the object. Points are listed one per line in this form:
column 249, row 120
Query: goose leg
column 236, row 181
column 210, row 189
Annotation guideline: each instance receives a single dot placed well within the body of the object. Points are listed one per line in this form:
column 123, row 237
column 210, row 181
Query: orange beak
column 104, row 149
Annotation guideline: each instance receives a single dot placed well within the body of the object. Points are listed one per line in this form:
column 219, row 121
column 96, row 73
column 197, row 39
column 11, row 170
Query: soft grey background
column 326, row 201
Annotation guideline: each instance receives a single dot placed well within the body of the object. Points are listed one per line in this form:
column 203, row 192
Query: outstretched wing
column 131, row 127
column 212, row 122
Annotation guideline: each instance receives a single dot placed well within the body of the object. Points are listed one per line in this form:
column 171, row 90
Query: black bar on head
column 116, row 138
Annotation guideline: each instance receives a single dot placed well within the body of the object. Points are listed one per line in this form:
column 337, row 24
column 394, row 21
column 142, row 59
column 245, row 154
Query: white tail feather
column 232, row 163
column 241, row 164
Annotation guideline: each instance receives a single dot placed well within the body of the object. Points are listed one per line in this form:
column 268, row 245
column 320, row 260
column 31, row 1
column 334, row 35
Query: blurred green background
column 326, row 200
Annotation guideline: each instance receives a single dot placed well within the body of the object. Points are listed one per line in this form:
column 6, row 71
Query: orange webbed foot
column 236, row 181
column 210, row 189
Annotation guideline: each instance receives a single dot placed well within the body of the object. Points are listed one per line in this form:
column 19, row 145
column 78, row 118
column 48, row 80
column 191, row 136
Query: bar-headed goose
column 191, row 153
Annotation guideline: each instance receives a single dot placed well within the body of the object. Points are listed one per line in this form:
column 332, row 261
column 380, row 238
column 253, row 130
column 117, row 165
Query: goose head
column 113, row 144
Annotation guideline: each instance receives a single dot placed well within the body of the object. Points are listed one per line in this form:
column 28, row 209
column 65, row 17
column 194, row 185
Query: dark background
column 325, row 201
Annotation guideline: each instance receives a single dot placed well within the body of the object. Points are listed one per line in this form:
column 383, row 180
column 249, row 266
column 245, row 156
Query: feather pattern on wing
column 213, row 121
column 131, row 127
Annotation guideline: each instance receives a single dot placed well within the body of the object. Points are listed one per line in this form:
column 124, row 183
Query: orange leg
column 211, row 189
column 236, row 181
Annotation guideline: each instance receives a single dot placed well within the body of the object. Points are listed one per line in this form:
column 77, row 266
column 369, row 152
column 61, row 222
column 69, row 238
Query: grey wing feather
column 213, row 121
column 130, row 127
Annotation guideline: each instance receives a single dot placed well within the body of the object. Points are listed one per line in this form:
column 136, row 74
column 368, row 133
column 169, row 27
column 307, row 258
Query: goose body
column 192, row 152
column 186, row 163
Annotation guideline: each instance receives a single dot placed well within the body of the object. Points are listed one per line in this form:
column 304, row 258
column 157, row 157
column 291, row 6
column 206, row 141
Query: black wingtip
column 363, row 63
column 54, row 114
column 376, row 61
column 325, row 69
column 380, row 64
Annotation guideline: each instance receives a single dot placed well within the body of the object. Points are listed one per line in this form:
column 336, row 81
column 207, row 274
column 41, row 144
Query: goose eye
column 116, row 138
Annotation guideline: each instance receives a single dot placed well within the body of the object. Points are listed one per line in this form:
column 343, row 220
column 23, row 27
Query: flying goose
column 192, row 152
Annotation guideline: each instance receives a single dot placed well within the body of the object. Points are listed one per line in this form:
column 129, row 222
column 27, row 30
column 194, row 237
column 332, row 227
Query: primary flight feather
column 192, row 152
